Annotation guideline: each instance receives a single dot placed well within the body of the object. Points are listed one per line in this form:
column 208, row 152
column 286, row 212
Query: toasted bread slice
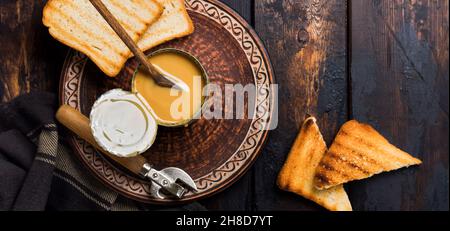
column 297, row 174
column 358, row 152
column 79, row 25
column 174, row 23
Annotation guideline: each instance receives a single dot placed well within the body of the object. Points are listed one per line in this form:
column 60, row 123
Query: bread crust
column 187, row 21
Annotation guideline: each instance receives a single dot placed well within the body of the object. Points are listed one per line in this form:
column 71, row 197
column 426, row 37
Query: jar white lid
column 122, row 124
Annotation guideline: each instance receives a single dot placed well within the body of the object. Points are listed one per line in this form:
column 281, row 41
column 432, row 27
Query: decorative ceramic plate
column 215, row 152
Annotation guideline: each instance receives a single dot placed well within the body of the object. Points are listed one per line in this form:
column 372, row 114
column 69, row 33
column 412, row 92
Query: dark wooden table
column 379, row 61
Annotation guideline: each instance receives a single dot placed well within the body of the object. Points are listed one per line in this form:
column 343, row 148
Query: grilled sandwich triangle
column 358, row 152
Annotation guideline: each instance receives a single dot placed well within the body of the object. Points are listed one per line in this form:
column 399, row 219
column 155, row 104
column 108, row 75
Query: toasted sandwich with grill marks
column 297, row 174
column 358, row 152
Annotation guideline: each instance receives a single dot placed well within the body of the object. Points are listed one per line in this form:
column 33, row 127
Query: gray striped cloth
column 38, row 172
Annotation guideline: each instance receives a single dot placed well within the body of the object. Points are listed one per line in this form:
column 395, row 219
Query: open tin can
column 204, row 88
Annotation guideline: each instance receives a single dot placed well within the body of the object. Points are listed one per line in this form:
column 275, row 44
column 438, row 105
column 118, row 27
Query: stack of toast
column 357, row 152
column 148, row 22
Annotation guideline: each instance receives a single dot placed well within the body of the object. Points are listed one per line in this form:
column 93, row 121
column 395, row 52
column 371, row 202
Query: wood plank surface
column 399, row 74
column 306, row 41
column 29, row 58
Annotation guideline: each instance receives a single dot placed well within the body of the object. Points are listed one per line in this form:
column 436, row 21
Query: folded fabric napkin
column 38, row 172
